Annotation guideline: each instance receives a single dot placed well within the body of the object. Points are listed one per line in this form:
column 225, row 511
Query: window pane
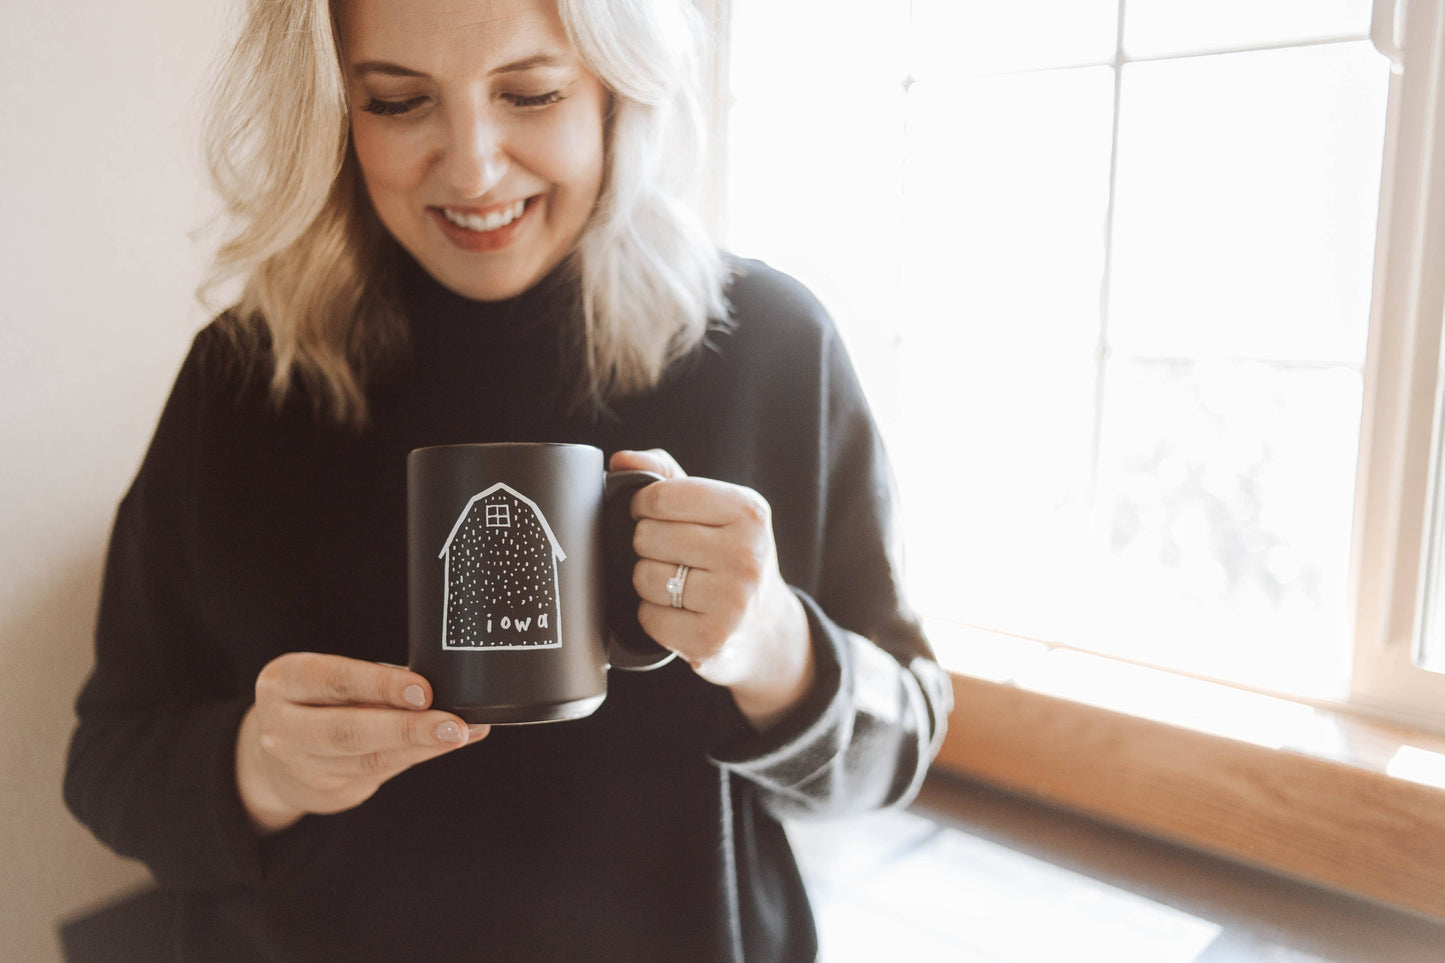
column 1005, row 219
column 798, row 54
column 824, row 198
column 1224, row 506
column 1156, row 27
column 1246, row 201
column 815, row 165
column 1218, row 541
column 993, row 466
column 953, row 38
column 1001, row 265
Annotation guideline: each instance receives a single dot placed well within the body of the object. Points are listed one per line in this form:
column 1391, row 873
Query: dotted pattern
column 502, row 580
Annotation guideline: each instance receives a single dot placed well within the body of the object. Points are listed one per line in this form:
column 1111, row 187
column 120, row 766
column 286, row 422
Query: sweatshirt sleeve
column 151, row 763
column 866, row 735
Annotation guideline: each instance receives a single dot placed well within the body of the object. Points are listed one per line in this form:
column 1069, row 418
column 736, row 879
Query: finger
column 692, row 635
column 725, row 552
column 686, row 543
column 654, row 460
column 703, row 501
column 702, row 592
column 312, row 678
column 385, row 765
column 361, row 730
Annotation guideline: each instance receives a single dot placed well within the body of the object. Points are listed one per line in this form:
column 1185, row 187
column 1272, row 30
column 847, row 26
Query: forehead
column 437, row 35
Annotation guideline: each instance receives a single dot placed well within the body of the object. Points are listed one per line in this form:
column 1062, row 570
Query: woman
column 458, row 221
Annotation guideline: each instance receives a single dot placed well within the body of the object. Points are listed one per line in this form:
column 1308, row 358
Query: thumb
column 654, row 459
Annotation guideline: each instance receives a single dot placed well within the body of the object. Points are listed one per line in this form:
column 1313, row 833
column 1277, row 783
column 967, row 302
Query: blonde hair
column 313, row 259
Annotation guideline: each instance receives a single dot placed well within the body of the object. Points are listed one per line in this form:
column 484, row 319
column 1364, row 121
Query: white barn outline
column 557, row 556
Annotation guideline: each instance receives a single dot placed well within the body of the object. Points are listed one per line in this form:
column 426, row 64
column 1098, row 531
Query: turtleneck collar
column 436, row 310
column 526, row 347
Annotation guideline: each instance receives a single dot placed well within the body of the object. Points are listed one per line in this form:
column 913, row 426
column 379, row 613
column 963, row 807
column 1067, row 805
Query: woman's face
column 479, row 133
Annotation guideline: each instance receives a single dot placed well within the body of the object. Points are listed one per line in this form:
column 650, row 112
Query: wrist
column 783, row 674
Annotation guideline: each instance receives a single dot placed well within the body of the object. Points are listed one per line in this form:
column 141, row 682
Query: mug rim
column 508, row 444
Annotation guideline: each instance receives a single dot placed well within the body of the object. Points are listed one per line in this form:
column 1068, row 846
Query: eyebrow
column 389, row 69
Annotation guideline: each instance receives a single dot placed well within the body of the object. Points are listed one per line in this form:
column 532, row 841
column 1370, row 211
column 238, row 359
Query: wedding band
column 676, row 584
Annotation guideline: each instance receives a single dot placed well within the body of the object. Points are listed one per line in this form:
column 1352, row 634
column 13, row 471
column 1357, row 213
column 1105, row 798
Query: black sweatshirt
column 648, row 831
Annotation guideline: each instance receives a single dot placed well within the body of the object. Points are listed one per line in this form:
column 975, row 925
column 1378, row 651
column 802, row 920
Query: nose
column 475, row 158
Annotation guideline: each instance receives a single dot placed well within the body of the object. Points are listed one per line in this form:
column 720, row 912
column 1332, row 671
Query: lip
column 469, row 240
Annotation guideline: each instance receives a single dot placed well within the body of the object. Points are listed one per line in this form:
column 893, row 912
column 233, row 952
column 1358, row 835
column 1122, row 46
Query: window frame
column 1395, row 474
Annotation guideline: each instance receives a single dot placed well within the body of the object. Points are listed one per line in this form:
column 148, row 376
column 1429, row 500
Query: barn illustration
column 501, row 575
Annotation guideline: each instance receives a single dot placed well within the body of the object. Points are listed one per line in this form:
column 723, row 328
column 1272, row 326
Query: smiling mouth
column 493, row 220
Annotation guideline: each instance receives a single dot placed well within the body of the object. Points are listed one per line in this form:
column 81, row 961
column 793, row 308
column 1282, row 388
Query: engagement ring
column 676, row 584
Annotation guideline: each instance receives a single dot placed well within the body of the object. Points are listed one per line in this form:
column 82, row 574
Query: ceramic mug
column 520, row 590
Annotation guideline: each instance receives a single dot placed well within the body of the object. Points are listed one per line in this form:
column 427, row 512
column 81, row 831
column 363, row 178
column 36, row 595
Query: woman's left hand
column 740, row 626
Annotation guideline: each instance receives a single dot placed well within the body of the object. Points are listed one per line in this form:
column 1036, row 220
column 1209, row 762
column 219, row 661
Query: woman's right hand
column 326, row 731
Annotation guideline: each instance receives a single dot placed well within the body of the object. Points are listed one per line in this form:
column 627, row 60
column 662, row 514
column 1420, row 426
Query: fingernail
column 415, row 695
column 477, row 732
column 449, row 732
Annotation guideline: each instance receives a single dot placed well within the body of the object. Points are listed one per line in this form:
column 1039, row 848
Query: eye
column 391, row 108
column 537, row 100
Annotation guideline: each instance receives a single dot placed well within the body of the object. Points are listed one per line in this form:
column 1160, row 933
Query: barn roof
column 556, row 548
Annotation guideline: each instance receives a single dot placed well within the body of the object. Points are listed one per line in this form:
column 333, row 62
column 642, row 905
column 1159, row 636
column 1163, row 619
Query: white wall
column 100, row 188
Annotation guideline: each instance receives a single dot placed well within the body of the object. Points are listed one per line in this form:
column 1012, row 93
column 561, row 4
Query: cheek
column 575, row 155
column 387, row 161
column 590, row 162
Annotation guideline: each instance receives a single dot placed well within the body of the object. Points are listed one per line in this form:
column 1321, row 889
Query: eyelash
column 393, row 108
column 390, row 108
column 539, row 100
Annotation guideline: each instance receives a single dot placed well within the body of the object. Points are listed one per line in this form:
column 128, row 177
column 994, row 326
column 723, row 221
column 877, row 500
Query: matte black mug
column 520, row 567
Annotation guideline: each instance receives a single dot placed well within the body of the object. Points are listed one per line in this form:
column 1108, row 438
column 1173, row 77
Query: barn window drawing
column 501, row 575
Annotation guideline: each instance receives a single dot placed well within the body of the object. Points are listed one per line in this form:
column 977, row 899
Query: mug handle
column 628, row 646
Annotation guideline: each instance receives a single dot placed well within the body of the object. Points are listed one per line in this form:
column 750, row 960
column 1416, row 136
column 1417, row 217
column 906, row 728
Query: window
column 499, row 516
column 1147, row 298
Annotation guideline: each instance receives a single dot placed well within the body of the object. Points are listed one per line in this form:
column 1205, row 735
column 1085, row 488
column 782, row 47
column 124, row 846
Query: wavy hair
column 315, row 264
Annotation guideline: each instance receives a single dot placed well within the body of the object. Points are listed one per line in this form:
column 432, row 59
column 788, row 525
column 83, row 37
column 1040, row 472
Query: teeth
column 489, row 222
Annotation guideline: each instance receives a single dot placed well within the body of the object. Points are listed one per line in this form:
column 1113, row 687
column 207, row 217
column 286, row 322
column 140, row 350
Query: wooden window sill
column 1318, row 794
